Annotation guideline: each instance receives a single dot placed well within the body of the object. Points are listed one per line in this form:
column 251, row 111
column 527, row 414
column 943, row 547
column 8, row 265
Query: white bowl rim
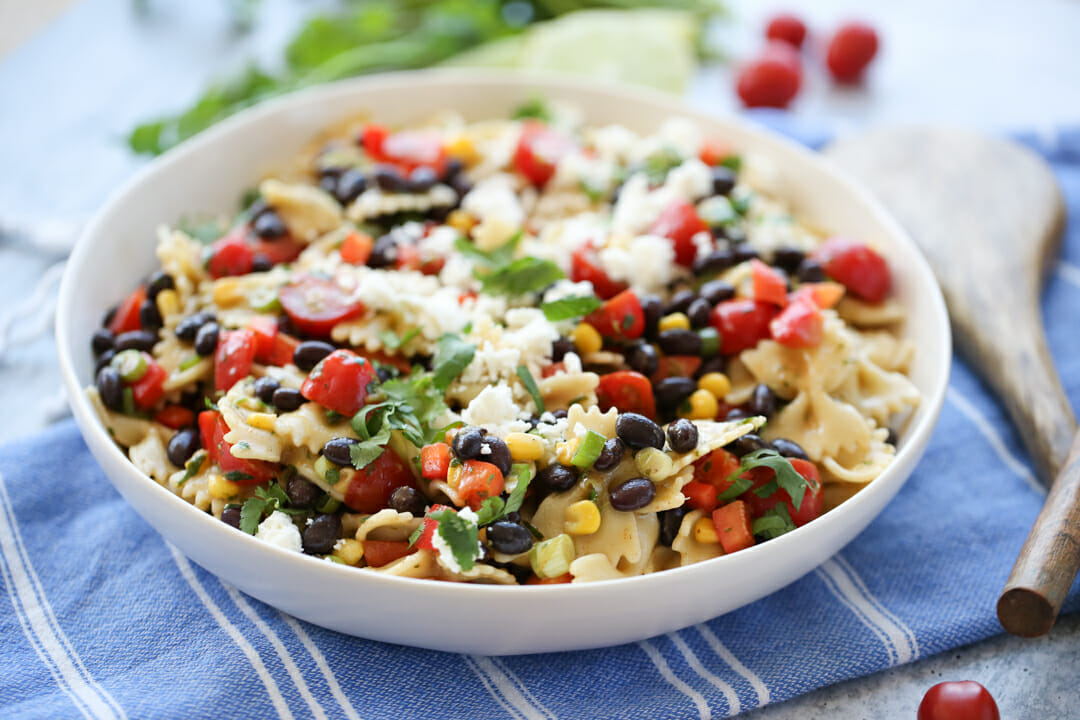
column 915, row 436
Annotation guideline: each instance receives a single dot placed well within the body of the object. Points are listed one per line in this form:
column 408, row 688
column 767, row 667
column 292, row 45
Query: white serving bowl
column 208, row 173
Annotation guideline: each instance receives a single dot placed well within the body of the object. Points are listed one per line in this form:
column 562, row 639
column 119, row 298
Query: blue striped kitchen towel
column 102, row 619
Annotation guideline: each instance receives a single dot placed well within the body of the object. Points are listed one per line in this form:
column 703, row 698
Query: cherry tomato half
column 742, row 323
column 212, row 428
column 370, row 488
column 958, row 700
column 315, row 305
column 799, row 325
column 769, row 285
column 538, row 152
column 628, row 391
column 857, row 267
column 585, row 266
column 809, row 508
column 231, row 255
column 233, row 358
column 679, row 222
column 126, row 317
column 339, row 382
column 620, row 317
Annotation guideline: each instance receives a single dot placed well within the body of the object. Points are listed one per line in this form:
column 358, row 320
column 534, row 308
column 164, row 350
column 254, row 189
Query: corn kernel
column 349, row 551
column 524, row 447
column 461, row 221
column 262, row 421
column 222, row 489
column 168, row 302
column 705, row 531
column 715, row 382
column 586, row 339
column 227, row 292
column 552, row 557
column 453, row 475
column 703, row 406
column 582, row 518
column 564, row 451
column 675, row 321
column 463, row 149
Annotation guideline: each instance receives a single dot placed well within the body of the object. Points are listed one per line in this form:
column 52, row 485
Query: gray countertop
column 68, row 95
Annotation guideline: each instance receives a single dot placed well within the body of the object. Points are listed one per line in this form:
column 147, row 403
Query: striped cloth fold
column 102, row 619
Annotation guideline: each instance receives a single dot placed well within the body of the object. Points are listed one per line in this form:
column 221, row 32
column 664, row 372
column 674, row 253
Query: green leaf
column 191, row 468
column 524, row 275
column 517, row 497
column 251, row 514
column 535, row 108
column 452, row 356
column 497, row 258
column 462, row 537
column 738, row 486
column 415, row 534
column 786, row 475
column 659, row 164
column 569, row 308
column 391, row 340
column 366, row 452
column 530, row 384
column 774, row 523
column 491, row 509
column 237, row 476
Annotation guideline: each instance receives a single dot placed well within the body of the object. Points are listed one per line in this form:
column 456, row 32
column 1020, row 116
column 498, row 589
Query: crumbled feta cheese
column 494, row 410
column 444, row 555
column 703, row 243
column 495, row 204
column 690, row 181
column 278, row 529
column 468, row 515
column 577, row 169
column 526, row 340
column 568, row 288
column 572, row 363
column 485, row 448
column 613, row 141
column 646, row 262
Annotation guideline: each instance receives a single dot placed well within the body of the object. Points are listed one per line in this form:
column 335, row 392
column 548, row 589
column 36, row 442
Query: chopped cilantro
column 237, row 476
column 524, row 275
column 530, row 384
column 732, row 162
column 786, row 475
column 367, row 451
column 499, row 257
column 774, row 523
column 209, row 404
column 332, row 416
column 415, row 534
column 659, row 164
column 251, row 514
column 569, row 308
column 535, row 108
column 452, row 356
column 491, row 509
column 191, row 468
column 517, row 497
column 738, row 486
column 392, row 341
column 462, row 537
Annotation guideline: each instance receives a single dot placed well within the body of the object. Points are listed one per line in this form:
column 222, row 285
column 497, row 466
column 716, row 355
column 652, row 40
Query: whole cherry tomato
column 788, row 28
column 958, row 700
column 772, row 79
column 851, row 49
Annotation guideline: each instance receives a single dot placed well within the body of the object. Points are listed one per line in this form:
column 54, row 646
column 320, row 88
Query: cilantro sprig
column 266, row 501
column 787, row 478
column 774, row 522
column 495, row 508
column 569, row 308
column 462, row 537
column 500, row 274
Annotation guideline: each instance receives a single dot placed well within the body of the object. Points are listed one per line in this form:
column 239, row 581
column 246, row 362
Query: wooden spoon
column 988, row 215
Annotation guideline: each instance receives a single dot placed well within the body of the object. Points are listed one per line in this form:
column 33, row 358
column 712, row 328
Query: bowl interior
column 208, row 175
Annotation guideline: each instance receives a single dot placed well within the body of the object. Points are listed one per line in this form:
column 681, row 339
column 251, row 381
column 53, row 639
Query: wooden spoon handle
column 1049, row 560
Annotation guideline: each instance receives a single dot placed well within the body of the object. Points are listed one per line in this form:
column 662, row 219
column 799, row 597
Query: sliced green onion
column 654, row 464
column 128, row 406
column 130, row 364
column 552, row 558
column 588, row 450
column 264, row 300
column 328, row 505
column 710, row 341
column 327, row 470
column 190, row 362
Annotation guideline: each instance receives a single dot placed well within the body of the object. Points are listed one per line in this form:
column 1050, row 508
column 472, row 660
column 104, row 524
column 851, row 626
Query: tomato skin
column 627, row 390
column 700, row 496
column 231, row 255
column 212, row 428
column 585, row 266
column 742, row 323
column 676, row 366
column 175, row 416
column 283, row 350
column 281, row 250
column 857, row 267
column 435, row 461
column 823, row 294
column 772, row 79
column 679, row 222
column 621, row 317
column 410, row 149
column 372, row 138
column 769, row 285
column 812, row 500
column 788, row 28
column 370, row 488
column 716, row 469
column 799, row 325
column 339, row 382
column 383, row 552
column 958, row 700
column 356, row 248
column 850, row 51
column 538, row 152
column 148, row 389
column 233, row 358
column 479, row 480
column 126, row 318
column 315, row 305
column 430, row 524
column 265, row 330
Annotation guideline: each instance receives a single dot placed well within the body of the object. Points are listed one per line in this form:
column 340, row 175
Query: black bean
column 338, row 450
column 329, row 183
column 231, row 516
column 310, row 353
column 717, row 364
column 461, row 184
column 349, row 186
column 789, row 448
column 257, row 208
column 747, row 444
column 102, row 340
column 682, row 435
column 670, row 522
column 384, row 252
column 559, row 414
column 509, row 538
column 638, row 431
column 287, row 399
column 207, row 338
column 321, row 534
column 104, row 359
column 810, row 270
column 744, row 251
column 762, row 400
column 108, row 317
column 643, row 358
column 270, row 226
column 110, row 387
column 653, row 309
column 670, row 392
column 182, row 445
column 632, row 494
column 389, row 179
column 680, row 342
column 452, row 168
column 717, row 291
column 136, row 340
column 302, row 492
column 383, row 373
column 892, row 439
column 407, row 499
column 499, row 454
column 422, row 179
column 788, row 258
column 560, row 347
column 738, row 414
column 149, row 316
column 611, row 454
column 189, row 326
column 159, row 280
column 261, row 262
column 723, row 180
column 698, row 312
column 467, row 443
column 715, row 262
column 680, row 301
column 558, row 478
column 265, row 387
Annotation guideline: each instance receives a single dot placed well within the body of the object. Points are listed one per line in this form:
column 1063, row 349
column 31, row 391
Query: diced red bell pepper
column 339, row 382
column 277, row 251
column 126, row 318
column 823, row 294
column 733, row 526
column 383, row 552
column 231, row 255
column 812, row 500
column 700, row 496
column 857, row 267
column 716, row 469
column 621, row 317
column 233, row 358
column 148, row 389
column 372, row 138
column 175, row 416
column 799, row 325
column 713, row 152
column 356, row 248
column 370, row 488
column 585, row 266
column 628, row 391
column 430, row 525
column 742, row 323
column 284, row 348
column 479, row 480
column 769, row 285
column 435, row 461
column 679, row 222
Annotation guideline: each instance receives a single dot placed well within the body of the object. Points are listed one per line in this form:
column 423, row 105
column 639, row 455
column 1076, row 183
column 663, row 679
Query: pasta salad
column 518, row 351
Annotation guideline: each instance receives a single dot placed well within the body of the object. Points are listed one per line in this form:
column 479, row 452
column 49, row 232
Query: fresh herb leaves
column 786, row 476
column 462, row 537
column 192, row 468
column 266, row 501
column 452, row 356
column 524, row 275
column 530, row 384
column 774, row 523
column 498, row 257
column 535, row 108
column 237, row 476
column 393, row 341
column 659, row 164
column 568, row 308
column 495, row 508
